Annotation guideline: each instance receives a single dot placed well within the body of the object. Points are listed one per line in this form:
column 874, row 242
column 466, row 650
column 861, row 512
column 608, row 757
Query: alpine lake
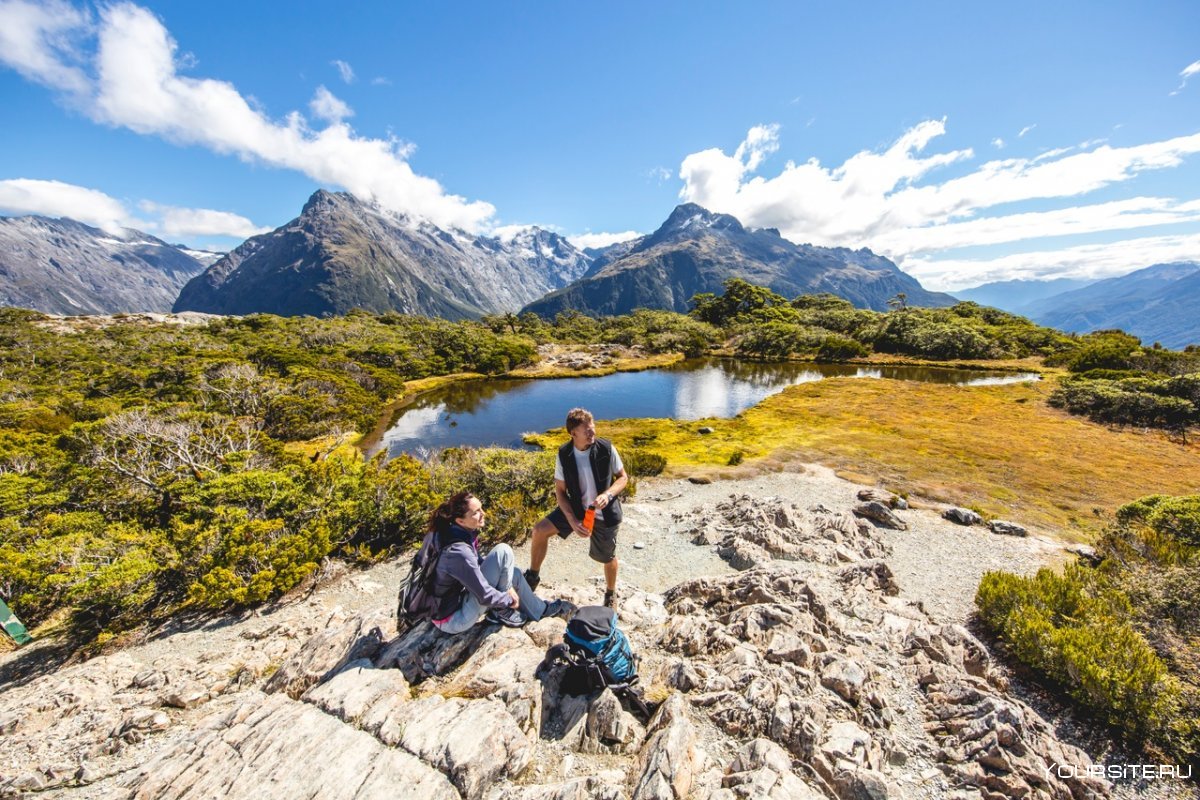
column 497, row 412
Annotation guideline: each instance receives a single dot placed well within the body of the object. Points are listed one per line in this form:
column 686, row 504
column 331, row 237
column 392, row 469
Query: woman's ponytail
column 454, row 508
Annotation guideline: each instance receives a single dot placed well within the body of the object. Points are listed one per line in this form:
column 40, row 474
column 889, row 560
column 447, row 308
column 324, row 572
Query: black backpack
column 417, row 601
column 597, row 656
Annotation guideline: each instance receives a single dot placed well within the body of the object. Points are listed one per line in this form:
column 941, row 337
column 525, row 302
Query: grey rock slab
column 668, row 762
column 324, row 654
column 963, row 516
column 274, row 747
column 475, row 742
column 505, row 658
column 351, row 693
column 1007, row 528
column 881, row 514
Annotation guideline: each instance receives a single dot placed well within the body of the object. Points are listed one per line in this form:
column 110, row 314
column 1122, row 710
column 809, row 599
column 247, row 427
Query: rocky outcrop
column 805, row 675
column 749, row 531
column 963, row 516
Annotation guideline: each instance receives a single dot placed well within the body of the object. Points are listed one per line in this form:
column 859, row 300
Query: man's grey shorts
column 602, row 543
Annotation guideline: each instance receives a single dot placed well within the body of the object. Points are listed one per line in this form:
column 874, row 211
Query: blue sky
column 967, row 142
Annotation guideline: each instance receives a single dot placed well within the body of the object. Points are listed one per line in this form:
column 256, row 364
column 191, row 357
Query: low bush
column 1075, row 630
column 1122, row 637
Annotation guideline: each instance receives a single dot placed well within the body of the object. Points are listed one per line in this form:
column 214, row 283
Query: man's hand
column 577, row 526
column 602, row 500
column 516, row 598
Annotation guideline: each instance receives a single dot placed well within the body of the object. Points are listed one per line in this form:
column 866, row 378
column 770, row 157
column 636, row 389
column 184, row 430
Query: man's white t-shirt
column 585, row 472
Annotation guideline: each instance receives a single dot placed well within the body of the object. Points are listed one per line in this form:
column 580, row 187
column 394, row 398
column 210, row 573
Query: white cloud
column 1091, row 261
column 328, row 107
column 998, row 143
column 380, row 81
column 175, row 222
column 1187, row 72
column 586, row 240
column 1138, row 212
column 137, row 86
column 58, row 199
column 344, row 69
column 659, row 175
column 506, row 233
column 1026, row 130
column 888, row 200
column 36, row 40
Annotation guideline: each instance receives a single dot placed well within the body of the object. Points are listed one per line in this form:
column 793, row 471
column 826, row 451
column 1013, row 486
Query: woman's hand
column 516, row 598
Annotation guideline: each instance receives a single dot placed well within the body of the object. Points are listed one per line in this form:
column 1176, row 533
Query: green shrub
column 643, row 463
column 1076, row 630
column 839, row 348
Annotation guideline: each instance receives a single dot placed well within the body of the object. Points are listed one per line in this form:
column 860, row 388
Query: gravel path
column 935, row 561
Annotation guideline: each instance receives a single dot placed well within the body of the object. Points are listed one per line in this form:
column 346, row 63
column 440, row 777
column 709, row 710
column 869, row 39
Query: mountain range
column 696, row 250
column 1015, row 295
column 343, row 253
column 60, row 266
column 1156, row 304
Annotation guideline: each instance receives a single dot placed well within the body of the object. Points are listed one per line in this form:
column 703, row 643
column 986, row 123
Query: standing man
column 587, row 472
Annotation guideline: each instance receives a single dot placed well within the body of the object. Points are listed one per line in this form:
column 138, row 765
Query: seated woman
column 470, row 587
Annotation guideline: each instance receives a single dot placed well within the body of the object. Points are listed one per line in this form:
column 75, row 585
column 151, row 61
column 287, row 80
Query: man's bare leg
column 610, row 575
column 541, row 539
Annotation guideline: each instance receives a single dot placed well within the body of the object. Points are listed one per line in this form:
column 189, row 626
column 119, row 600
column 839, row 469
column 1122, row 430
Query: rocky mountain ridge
column 343, row 253
column 1156, row 304
column 802, row 674
column 60, row 266
column 695, row 250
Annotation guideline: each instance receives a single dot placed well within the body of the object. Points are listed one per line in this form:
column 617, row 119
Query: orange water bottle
column 589, row 517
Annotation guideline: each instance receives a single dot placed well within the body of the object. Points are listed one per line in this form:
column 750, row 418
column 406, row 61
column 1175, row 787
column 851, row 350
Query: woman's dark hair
column 444, row 515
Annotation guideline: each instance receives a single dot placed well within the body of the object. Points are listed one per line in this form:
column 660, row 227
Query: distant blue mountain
column 1015, row 295
column 1156, row 304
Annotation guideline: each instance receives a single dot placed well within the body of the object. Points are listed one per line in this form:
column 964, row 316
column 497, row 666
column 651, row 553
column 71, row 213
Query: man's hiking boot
column 509, row 617
column 563, row 609
column 532, row 578
column 610, row 598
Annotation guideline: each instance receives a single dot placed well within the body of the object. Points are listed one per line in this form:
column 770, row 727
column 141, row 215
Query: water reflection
column 497, row 412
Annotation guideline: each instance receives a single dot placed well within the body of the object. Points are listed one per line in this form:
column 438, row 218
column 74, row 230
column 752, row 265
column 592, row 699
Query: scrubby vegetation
column 149, row 467
column 146, row 468
column 1122, row 637
column 1117, row 381
column 766, row 325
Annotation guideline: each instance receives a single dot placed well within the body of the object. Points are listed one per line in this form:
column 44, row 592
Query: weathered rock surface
column 880, row 514
column 963, row 516
column 1007, row 528
column 275, row 747
column 806, row 675
column 749, row 532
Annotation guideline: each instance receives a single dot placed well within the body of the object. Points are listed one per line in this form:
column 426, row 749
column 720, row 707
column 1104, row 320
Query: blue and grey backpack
column 597, row 656
column 597, row 646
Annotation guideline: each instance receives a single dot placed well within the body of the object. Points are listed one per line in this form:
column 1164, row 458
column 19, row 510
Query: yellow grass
column 999, row 449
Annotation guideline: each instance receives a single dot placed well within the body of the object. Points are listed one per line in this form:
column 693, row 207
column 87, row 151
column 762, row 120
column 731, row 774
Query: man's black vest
column 600, row 457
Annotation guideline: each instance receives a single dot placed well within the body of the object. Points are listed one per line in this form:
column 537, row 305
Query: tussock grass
column 999, row 449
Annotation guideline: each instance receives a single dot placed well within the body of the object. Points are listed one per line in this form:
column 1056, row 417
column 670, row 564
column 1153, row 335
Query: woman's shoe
column 509, row 617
